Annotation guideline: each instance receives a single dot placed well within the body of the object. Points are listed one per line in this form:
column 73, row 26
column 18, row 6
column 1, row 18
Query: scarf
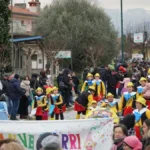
column 117, row 143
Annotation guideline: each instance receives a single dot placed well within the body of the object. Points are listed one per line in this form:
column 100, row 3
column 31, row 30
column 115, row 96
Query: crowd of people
column 124, row 89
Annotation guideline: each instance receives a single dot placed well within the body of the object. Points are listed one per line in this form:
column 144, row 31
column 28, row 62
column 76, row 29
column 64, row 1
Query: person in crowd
column 39, row 103
column 146, row 134
column 57, row 105
column 85, row 72
column 83, row 101
column 132, row 143
column 65, row 87
column 87, row 82
column 48, row 141
column 3, row 109
column 76, row 83
column 26, row 100
column 125, row 82
column 6, row 91
column 42, row 79
column 12, row 146
column 146, row 92
column 113, row 80
column 119, row 133
column 34, row 83
column 15, row 95
column 127, row 101
column 136, row 120
column 111, row 103
column 59, row 78
column 100, row 88
column 4, row 145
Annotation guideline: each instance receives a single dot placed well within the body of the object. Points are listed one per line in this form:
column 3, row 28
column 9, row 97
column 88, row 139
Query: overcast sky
column 115, row 4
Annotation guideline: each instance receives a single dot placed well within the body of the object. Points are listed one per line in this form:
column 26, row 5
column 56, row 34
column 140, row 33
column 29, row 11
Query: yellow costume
column 87, row 83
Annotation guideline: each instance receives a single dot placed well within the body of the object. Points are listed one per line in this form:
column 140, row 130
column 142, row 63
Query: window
column 40, row 61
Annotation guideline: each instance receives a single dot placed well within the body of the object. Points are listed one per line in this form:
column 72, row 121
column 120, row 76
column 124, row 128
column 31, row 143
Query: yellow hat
column 97, row 75
column 110, row 95
column 94, row 102
column 39, row 89
column 48, row 90
column 130, row 84
column 89, row 75
column 143, row 79
column 54, row 88
column 148, row 72
column 92, row 88
column 141, row 100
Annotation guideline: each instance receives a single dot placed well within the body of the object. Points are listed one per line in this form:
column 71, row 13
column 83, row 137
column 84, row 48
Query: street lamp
column 122, row 43
column 12, row 37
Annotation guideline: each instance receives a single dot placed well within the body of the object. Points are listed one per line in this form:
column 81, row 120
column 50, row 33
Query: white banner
column 90, row 134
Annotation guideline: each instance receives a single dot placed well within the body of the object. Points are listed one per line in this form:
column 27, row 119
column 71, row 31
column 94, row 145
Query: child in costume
column 136, row 120
column 112, row 104
column 88, row 82
column 3, row 109
column 39, row 103
column 57, row 106
column 140, row 88
column 99, row 87
column 145, row 90
column 84, row 100
column 127, row 102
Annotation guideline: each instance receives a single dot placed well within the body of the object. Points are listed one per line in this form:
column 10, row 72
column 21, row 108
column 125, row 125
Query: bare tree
column 5, row 59
column 144, row 28
column 50, row 49
column 28, row 51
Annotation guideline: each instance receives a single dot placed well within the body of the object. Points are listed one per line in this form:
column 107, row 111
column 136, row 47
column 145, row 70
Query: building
column 26, row 51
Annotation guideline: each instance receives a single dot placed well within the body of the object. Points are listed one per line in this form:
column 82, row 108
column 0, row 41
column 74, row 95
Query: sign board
column 93, row 134
column 137, row 56
column 138, row 38
column 63, row 54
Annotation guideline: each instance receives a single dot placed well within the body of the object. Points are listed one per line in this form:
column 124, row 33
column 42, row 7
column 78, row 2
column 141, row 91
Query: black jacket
column 75, row 81
column 145, row 143
column 6, row 85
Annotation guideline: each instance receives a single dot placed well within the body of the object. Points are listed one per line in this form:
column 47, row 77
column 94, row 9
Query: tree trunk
column 52, row 72
column 29, row 67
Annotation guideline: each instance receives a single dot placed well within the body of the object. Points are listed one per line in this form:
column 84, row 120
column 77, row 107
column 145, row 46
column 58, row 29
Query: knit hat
column 48, row 141
column 133, row 142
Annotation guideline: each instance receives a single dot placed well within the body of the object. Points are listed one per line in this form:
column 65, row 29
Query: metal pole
column 71, row 62
column 122, row 42
column 12, row 37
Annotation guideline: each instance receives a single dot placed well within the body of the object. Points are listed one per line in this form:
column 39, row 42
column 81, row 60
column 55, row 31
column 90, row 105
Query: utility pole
column 12, row 37
column 122, row 42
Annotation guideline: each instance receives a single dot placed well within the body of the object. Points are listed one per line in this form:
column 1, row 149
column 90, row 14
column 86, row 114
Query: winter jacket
column 6, row 90
column 146, row 91
column 15, row 89
column 26, row 85
column 75, row 81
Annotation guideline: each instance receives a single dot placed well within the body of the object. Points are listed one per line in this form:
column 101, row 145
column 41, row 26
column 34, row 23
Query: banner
column 90, row 134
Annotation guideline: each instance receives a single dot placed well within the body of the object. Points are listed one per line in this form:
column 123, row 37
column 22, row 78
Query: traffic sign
column 138, row 38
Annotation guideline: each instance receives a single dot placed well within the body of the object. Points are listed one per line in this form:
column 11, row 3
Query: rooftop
column 23, row 11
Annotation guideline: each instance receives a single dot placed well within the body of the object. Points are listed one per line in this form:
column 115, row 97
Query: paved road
column 71, row 114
